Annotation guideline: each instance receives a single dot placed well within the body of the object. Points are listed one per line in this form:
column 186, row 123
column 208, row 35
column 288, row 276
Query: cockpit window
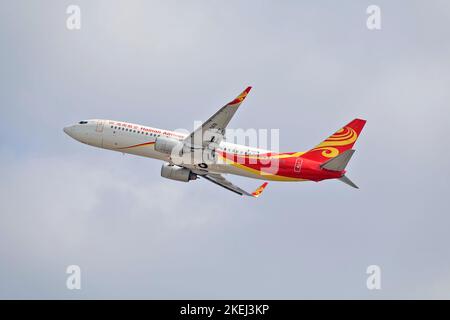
column 82, row 122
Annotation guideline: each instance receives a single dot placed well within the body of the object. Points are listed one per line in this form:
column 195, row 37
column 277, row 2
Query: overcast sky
column 313, row 67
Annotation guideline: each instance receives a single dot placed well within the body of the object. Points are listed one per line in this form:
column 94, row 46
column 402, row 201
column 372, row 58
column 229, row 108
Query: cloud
column 56, row 209
column 166, row 64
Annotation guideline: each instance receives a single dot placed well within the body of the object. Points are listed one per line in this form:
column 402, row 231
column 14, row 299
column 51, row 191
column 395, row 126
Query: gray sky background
column 314, row 67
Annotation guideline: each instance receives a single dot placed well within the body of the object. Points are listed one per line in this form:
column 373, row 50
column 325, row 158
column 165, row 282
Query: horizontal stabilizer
column 346, row 180
column 339, row 162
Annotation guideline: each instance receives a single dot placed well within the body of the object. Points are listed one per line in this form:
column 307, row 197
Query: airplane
column 204, row 153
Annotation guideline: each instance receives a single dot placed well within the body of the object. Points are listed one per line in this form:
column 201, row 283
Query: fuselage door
column 99, row 127
column 298, row 165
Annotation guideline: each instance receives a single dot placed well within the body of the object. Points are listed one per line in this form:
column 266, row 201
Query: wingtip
column 241, row 97
column 259, row 190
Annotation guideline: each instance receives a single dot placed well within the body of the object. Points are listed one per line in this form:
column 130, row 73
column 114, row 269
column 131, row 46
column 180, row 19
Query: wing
column 213, row 129
column 221, row 181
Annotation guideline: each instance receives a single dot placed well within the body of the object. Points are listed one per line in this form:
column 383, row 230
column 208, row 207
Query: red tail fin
column 340, row 141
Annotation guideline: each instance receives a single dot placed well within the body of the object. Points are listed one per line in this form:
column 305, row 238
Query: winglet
column 241, row 97
column 260, row 189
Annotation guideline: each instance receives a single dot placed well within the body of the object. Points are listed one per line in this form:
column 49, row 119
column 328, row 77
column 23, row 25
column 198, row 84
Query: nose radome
column 68, row 130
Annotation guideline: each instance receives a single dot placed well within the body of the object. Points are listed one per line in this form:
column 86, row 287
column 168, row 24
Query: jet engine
column 168, row 145
column 177, row 173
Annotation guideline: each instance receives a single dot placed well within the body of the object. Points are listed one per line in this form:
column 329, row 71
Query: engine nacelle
column 168, row 145
column 177, row 173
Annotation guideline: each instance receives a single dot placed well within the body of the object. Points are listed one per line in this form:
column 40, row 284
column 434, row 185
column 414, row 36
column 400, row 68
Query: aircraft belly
column 231, row 169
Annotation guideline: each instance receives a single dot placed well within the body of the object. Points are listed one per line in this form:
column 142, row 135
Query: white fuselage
column 139, row 140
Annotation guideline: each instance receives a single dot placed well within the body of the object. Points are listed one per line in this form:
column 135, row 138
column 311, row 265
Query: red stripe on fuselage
column 137, row 145
column 282, row 164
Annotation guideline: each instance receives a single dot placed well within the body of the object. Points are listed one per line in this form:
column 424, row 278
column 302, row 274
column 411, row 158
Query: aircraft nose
column 68, row 130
